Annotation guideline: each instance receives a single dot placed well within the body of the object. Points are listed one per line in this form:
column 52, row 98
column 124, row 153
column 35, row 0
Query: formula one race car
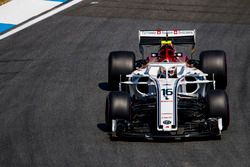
column 168, row 94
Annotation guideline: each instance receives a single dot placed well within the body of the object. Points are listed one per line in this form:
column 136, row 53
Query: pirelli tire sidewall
column 214, row 62
column 118, row 106
column 218, row 106
column 121, row 63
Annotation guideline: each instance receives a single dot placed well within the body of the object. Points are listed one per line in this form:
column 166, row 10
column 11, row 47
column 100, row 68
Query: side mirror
column 154, row 54
column 178, row 54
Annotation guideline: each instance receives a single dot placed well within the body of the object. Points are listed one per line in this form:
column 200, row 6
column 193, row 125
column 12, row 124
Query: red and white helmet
column 167, row 52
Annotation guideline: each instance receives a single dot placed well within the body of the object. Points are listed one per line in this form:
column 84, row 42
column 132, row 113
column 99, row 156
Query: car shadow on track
column 102, row 127
column 104, row 86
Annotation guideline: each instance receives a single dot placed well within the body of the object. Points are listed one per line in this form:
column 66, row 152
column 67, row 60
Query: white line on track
column 40, row 18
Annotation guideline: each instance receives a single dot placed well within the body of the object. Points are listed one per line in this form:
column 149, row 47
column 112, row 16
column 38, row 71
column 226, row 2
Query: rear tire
column 117, row 107
column 214, row 62
column 218, row 106
column 120, row 63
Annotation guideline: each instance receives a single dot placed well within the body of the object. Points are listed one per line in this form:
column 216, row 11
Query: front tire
column 218, row 106
column 117, row 107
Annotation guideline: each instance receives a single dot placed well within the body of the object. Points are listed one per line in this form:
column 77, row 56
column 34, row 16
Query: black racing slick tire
column 213, row 62
column 117, row 107
column 218, row 106
column 121, row 63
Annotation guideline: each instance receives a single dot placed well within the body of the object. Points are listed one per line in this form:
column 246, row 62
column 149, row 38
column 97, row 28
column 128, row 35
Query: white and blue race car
column 168, row 94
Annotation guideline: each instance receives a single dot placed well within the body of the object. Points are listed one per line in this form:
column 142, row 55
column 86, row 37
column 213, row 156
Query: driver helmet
column 167, row 52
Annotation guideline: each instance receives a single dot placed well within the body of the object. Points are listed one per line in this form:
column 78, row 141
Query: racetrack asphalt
column 53, row 85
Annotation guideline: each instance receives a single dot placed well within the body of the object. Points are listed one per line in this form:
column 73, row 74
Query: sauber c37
column 167, row 94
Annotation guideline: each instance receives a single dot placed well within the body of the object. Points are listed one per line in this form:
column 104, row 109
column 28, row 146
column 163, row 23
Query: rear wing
column 148, row 37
